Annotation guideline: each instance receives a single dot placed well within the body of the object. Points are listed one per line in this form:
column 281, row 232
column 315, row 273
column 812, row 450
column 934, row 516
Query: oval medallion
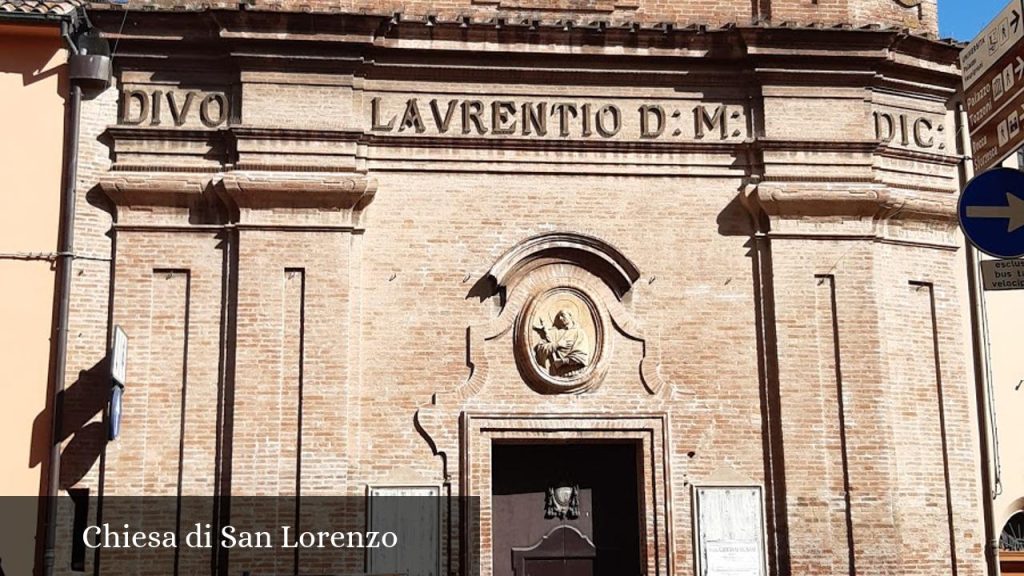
column 559, row 341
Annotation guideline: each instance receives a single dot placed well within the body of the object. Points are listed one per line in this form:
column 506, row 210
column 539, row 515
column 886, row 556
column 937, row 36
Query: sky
column 963, row 19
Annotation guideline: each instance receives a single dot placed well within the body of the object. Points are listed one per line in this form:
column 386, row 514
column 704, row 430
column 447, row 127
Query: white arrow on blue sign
column 992, row 212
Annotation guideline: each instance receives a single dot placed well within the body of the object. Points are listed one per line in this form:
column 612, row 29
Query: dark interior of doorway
column 606, row 474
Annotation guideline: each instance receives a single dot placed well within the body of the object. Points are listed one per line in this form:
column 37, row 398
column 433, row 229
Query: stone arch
column 1011, row 542
column 1010, row 510
column 594, row 254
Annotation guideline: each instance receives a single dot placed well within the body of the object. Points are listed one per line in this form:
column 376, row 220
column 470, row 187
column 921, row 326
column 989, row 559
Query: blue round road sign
column 992, row 212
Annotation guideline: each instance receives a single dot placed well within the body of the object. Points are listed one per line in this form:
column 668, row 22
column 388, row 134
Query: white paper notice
column 730, row 530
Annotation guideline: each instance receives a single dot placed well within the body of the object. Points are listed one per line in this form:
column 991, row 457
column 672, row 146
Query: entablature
column 299, row 40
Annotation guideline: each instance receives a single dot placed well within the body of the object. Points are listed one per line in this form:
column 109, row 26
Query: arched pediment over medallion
column 564, row 320
column 593, row 254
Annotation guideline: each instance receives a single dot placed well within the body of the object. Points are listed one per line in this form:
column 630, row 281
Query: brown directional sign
column 993, row 66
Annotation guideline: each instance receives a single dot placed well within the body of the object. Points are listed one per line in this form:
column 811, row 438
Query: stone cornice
column 566, row 145
column 242, row 133
column 919, row 156
column 154, row 197
column 151, row 149
column 253, row 190
column 151, row 188
column 778, row 200
column 854, row 199
column 330, row 200
column 177, row 155
column 938, row 208
column 368, row 38
column 234, row 142
column 792, row 145
column 852, row 210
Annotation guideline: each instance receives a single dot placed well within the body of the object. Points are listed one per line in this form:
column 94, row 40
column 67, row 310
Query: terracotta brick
column 311, row 300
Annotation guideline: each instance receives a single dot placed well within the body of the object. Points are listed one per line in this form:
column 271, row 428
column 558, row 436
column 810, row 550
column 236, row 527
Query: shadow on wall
column 28, row 56
column 80, row 402
column 736, row 219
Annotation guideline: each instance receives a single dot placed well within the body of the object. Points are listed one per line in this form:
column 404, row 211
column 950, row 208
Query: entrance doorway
column 566, row 509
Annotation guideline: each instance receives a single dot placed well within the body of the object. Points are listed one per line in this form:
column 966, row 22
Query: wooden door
column 562, row 552
column 602, row 511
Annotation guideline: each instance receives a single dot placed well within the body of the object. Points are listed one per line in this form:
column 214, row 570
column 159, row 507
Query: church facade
column 676, row 285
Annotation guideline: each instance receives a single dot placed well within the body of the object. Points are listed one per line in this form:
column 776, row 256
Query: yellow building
column 37, row 119
column 1007, row 386
column 1002, row 374
column 33, row 88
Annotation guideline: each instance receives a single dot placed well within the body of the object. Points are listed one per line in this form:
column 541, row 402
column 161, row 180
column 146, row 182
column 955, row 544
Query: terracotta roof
column 39, row 7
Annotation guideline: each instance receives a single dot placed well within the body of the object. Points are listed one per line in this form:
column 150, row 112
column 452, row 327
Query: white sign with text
column 730, row 531
column 1003, row 274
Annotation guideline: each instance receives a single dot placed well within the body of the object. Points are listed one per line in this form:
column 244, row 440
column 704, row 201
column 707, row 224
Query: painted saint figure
column 563, row 352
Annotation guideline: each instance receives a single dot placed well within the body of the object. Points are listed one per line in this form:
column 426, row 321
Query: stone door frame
column 650, row 430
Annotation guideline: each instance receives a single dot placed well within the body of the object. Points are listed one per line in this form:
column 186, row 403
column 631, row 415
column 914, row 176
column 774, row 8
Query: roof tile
column 47, row 7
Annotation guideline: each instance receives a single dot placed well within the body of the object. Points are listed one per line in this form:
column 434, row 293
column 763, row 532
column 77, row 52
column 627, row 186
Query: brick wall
column 322, row 320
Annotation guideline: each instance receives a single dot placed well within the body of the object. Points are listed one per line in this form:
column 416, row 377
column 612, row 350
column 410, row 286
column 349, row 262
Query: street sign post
column 118, row 375
column 1003, row 274
column 992, row 43
column 993, row 68
column 991, row 212
column 119, row 356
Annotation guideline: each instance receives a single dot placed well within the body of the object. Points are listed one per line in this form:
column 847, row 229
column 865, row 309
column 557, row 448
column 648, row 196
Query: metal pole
column 979, row 348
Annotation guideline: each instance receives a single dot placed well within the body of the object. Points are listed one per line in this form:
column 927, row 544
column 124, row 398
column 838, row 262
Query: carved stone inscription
column 177, row 108
column 910, row 130
column 555, row 119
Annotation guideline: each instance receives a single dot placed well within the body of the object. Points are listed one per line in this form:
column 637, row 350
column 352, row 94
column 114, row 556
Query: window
column 1012, row 537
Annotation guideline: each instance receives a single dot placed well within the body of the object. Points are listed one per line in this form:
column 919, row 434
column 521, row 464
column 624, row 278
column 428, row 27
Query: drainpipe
column 982, row 384
column 65, row 249
column 92, row 71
